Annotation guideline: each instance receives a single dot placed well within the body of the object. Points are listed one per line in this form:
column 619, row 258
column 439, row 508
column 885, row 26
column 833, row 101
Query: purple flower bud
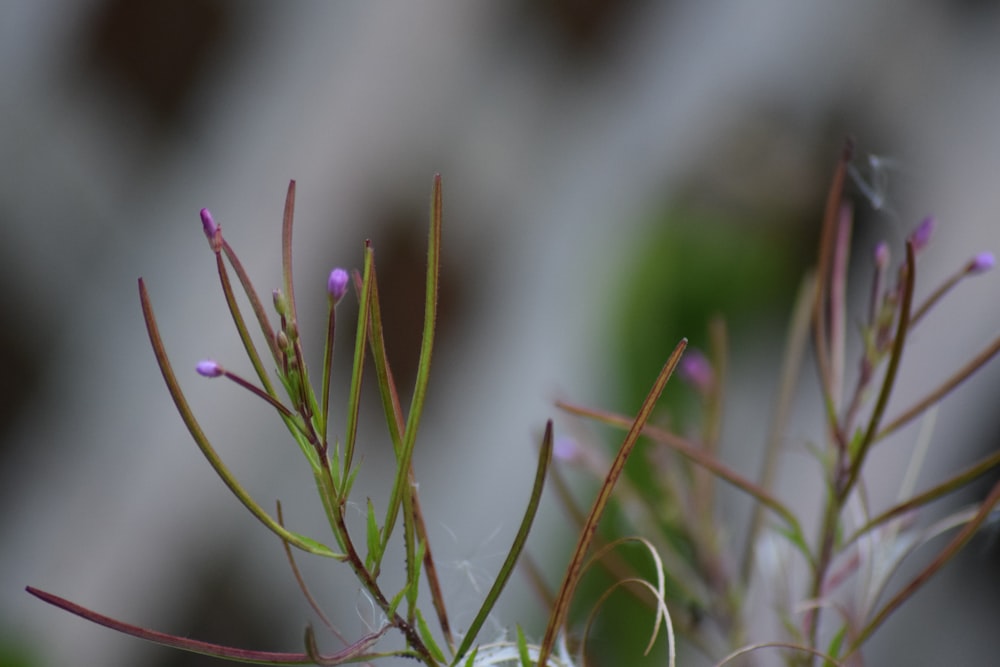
column 882, row 255
column 921, row 236
column 697, row 370
column 565, row 449
column 208, row 368
column 336, row 284
column 981, row 263
column 211, row 229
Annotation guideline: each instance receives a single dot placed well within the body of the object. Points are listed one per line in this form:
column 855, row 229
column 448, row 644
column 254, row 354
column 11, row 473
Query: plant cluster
column 696, row 588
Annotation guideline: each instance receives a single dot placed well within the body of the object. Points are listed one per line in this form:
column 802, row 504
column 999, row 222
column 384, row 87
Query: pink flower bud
column 565, row 449
column 981, row 263
column 208, row 368
column 336, row 284
column 921, row 236
column 212, row 230
column 697, row 371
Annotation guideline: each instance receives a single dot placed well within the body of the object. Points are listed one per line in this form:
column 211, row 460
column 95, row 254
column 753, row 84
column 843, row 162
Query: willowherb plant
column 697, row 584
column 856, row 542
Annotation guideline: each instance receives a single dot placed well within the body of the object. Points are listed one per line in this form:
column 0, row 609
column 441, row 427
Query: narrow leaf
column 695, row 455
column 950, row 485
column 428, row 637
column 374, row 552
column 824, row 276
column 202, row 441
column 352, row 653
column 943, row 390
column 522, row 648
column 573, row 571
column 424, row 363
column 889, row 381
column 544, row 458
column 255, row 303
column 286, row 251
column 394, row 419
column 354, row 398
column 241, row 327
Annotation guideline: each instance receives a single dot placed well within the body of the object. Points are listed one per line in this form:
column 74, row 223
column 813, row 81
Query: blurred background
column 614, row 174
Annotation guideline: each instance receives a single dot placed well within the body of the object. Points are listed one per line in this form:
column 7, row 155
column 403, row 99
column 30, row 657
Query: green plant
column 672, row 503
column 693, row 583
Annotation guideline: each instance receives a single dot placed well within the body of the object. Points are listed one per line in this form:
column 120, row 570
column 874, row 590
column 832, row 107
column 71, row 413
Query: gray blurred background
column 570, row 135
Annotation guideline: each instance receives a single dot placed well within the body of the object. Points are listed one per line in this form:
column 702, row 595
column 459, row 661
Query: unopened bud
column 566, row 449
column 280, row 303
column 921, row 236
column 212, row 230
column 336, row 284
column 208, row 368
column 697, row 371
column 981, row 263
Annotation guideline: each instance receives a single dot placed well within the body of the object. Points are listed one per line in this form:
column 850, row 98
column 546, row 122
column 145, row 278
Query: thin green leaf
column 797, row 540
column 898, row 343
column 950, row 485
column 255, row 303
column 835, row 644
column 374, row 554
column 394, row 420
column 394, row 603
column 522, row 648
column 354, row 398
column 428, row 637
column 471, row 660
column 241, row 327
column 544, row 458
column 294, row 425
column 943, row 390
column 413, row 578
column 423, row 366
column 573, row 570
column 324, row 414
column 304, row 398
column 383, row 373
column 201, row 440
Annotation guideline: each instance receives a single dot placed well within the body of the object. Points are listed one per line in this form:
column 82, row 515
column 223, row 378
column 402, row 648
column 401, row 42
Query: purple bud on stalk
column 697, row 371
column 981, row 263
column 208, row 368
column 336, row 284
column 921, row 236
column 212, row 230
column 565, row 449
